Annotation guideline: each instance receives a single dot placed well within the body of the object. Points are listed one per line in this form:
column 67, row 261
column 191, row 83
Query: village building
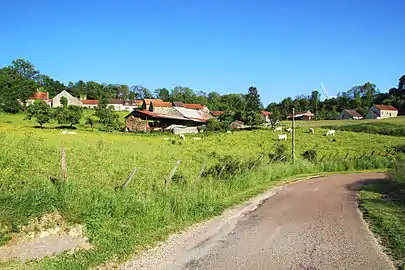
column 146, row 102
column 89, row 103
column 381, row 112
column 44, row 96
column 71, row 100
column 308, row 115
column 349, row 114
column 216, row 114
column 265, row 116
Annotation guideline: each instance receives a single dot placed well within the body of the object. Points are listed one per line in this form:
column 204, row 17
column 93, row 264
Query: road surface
column 312, row 224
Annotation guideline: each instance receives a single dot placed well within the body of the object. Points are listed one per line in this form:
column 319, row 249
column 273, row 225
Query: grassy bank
column 383, row 205
column 382, row 128
column 120, row 222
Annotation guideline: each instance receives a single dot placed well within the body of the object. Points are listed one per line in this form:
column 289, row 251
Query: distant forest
column 21, row 80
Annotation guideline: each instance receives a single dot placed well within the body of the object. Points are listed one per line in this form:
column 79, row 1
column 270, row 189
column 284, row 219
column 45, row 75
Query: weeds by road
column 383, row 205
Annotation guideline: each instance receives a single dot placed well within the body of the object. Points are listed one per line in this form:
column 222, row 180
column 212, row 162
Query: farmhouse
column 349, row 114
column 308, row 115
column 44, row 96
column 381, row 112
column 91, row 104
column 118, row 104
column 71, row 99
column 146, row 102
column 265, row 116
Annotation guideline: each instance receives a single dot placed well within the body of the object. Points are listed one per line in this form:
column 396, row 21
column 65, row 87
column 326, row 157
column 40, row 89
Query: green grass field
column 121, row 222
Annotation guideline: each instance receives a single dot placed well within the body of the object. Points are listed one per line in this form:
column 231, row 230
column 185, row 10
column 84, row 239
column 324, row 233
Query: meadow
column 121, row 222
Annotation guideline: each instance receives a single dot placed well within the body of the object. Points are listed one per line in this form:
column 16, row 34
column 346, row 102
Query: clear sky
column 284, row 48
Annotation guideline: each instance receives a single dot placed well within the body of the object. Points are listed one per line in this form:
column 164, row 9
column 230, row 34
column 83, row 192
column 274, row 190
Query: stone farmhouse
column 381, row 112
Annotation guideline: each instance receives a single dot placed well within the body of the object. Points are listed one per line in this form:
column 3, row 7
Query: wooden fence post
column 169, row 178
column 125, row 184
column 222, row 169
column 346, row 156
column 199, row 175
column 256, row 162
column 63, row 164
column 372, row 153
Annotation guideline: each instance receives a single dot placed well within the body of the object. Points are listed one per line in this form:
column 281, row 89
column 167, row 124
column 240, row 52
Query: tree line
column 21, row 80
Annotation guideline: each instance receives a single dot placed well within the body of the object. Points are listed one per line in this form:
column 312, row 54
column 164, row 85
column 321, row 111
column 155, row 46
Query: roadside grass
column 399, row 120
column 383, row 205
column 121, row 222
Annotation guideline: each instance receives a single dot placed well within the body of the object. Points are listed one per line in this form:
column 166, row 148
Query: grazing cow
column 330, row 132
column 166, row 139
column 182, row 137
column 72, row 133
column 64, row 132
column 196, row 138
column 311, row 130
column 282, row 137
column 229, row 132
column 289, row 130
column 278, row 129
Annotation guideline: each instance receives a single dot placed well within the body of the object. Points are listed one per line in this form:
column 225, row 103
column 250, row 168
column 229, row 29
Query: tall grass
column 120, row 222
column 382, row 128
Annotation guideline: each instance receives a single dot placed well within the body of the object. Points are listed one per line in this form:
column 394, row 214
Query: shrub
column 310, row 155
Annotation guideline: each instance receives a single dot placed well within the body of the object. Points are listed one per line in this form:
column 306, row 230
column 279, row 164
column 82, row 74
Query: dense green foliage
column 41, row 111
column 383, row 204
column 20, row 80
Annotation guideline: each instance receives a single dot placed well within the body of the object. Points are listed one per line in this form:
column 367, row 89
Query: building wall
column 31, row 101
column 71, row 100
column 134, row 124
column 388, row 114
column 90, row 106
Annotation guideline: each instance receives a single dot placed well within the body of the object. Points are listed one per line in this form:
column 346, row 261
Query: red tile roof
column 266, row 113
column 116, row 101
column 40, row 95
column 194, row 106
column 90, row 102
column 386, row 107
column 149, row 100
column 161, row 104
column 217, row 113
column 353, row 113
column 156, row 115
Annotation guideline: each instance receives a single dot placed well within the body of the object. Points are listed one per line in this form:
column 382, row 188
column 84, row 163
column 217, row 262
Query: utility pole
column 293, row 135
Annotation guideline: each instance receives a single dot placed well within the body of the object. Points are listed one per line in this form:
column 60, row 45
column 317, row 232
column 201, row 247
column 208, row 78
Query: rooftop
column 386, row 107
column 40, row 95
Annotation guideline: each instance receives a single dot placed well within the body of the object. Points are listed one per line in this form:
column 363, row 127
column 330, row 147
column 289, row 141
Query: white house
column 71, row 99
column 381, row 112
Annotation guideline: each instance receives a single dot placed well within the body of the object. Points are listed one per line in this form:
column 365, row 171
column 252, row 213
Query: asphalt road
column 313, row 224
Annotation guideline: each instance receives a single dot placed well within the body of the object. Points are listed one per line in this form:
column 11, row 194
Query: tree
column 64, row 101
column 162, row 93
column 140, row 92
column 92, row 120
column 401, row 84
column 108, row 118
column 183, row 94
column 253, row 102
column 315, row 102
column 41, row 111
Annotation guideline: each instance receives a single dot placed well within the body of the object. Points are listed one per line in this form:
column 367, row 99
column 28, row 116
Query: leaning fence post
column 222, row 169
column 169, row 178
column 346, row 156
column 363, row 156
column 125, row 184
column 322, row 158
column 199, row 175
column 256, row 162
column 63, row 165
column 372, row 153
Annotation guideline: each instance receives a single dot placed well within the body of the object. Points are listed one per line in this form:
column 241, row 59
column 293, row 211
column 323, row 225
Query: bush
column 310, row 155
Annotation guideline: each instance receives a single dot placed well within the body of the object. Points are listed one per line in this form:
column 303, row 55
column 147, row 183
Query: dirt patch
column 45, row 236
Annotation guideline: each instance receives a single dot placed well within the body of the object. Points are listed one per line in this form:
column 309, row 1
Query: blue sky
column 284, row 48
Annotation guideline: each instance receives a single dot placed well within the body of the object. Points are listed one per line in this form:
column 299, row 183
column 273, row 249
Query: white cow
column 166, row 139
column 182, row 137
column 278, row 129
column 282, row 137
column 197, row 138
column 64, row 132
column 330, row 132
column 229, row 132
column 289, row 130
column 72, row 133
column 311, row 130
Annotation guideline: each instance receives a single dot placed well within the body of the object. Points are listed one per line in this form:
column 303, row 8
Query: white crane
column 326, row 93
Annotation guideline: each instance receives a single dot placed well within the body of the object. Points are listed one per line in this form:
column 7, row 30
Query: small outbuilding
column 349, row 114
column 308, row 115
column 381, row 112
